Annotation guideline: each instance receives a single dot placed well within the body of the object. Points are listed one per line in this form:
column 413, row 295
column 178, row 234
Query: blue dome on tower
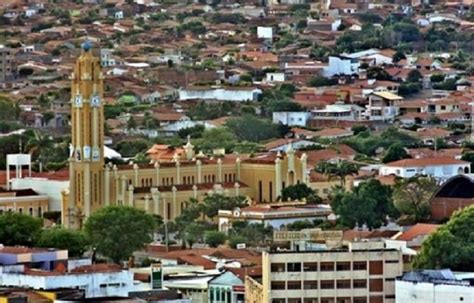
column 86, row 46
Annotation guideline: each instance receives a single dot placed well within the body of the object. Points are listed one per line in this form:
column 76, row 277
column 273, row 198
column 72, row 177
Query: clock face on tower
column 95, row 101
column 78, row 101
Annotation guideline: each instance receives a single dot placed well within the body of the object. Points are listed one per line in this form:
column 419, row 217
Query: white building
column 222, row 94
column 439, row 168
column 383, row 106
column 264, row 32
column 274, row 77
column 433, row 286
column 291, row 118
column 106, row 58
column 338, row 111
column 341, row 66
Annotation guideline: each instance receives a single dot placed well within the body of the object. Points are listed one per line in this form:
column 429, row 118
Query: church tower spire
column 87, row 124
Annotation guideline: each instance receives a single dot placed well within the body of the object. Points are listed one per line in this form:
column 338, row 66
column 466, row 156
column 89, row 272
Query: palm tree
column 40, row 145
column 340, row 170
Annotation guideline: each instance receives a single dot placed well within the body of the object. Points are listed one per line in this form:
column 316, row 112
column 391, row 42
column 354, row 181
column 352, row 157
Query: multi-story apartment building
column 6, row 64
column 363, row 272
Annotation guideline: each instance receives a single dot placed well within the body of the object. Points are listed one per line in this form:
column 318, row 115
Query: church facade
column 160, row 188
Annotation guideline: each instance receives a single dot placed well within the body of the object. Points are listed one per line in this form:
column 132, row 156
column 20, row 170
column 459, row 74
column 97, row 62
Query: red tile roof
column 419, row 229
column 425, row 162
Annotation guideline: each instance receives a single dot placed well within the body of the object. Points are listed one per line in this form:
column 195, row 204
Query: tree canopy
column 298, row 192
column 251, row 128
column 394, row 153
column 411, row 196
column 451, row 246
column 74, row 241
column 117, row 231
column 339, row 170
column 19, row 229
column 369, row 204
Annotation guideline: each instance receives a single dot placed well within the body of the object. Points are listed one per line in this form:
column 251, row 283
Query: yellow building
column 159, row 188
column 26, row 202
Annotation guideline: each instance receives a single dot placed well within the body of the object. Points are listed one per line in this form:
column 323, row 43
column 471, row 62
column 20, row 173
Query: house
column 429, row 135
column 373, row 56
column 341, row 66
column 226, row 287
column 291, row 118
column 284, row 144
column 236, row 94
column 338, row 111
column 106, row 58
column 329, row 25
column 274, row 77
column 416, row 234
column 273, row 215
column 48, row 269
column 382, row 106
column 439, row 168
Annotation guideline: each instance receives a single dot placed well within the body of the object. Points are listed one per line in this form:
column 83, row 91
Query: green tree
column 40, row 145
column 218, row 137
column 131, row 123
column 117, row 231
column 339, row 170
column 398, row 56
column 72, row 240
column 451, row 246
column 414, row 76
column 214, row 238
column 394, row 153
column 251, row 128
column 369, row 204
column 411, row 196
column 300, row 191
column 237, row 239
column 186, row 230
column 18, row 229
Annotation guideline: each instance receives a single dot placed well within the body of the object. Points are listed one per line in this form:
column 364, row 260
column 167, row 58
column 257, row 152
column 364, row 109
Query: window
column 376, row 285
column 327, row 300
column 327, row 284
column 376, row 267
column 359, row 283
column 278, row 267
column 278, row 285
column 360, row 300
column 294, row 300
column 294, row 285
column 343, row 266
column 359, row 266
column 343, row 284
column 293, row 267
column 278, row 300
column 391, row 261
column 310, row 266
column 310, row 300
column 327, row 266
column 310, row 284
column 343, row 300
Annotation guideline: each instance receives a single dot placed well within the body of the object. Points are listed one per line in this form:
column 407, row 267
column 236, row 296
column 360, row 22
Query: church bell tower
column 87, row 150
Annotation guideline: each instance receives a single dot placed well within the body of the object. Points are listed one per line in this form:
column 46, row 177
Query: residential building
column 338, row 111
column 106, row 58
column 439, row 168
column 275, row 215
column 238, row 94
column 362, row 272
column 382, row 106
column 291, row 118
column 7, row 70
column 25, row 201
column 341, row 66
column 49, row 269
column 227, row 288
column 431, row 286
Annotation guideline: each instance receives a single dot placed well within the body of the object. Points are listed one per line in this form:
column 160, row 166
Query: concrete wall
column 421, row 292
